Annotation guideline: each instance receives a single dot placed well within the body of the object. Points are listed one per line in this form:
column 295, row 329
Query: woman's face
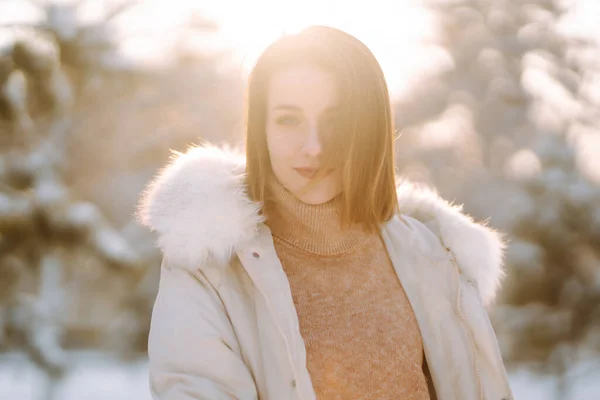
column 301, row 110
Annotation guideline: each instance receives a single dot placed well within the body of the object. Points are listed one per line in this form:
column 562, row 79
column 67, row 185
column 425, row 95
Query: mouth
column 308, row 172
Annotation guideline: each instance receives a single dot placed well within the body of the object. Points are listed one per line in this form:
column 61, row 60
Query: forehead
column 308, row 87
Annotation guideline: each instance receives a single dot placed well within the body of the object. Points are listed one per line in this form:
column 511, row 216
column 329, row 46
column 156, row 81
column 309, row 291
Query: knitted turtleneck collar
column 313, row 228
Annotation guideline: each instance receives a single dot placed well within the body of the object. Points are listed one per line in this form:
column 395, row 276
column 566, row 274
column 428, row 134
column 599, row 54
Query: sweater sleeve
column 192, row 349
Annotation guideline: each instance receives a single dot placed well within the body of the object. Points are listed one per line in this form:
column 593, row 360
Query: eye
column 288, row 120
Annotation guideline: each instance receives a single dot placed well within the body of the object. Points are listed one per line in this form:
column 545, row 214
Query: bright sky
column 393, row 29
column 397, row 31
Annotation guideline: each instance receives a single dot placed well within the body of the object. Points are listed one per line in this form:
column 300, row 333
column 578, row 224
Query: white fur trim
column 199, row 207
column 478, row 249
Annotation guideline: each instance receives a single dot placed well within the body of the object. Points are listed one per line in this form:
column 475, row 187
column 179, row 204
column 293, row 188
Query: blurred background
column 497, row 102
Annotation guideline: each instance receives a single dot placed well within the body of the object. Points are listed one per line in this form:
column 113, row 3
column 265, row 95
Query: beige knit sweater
column 361, row 335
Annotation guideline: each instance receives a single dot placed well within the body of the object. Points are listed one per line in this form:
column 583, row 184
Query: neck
column 314, row 228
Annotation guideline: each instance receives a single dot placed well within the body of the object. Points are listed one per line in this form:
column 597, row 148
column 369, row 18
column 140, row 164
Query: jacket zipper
column 468, row 326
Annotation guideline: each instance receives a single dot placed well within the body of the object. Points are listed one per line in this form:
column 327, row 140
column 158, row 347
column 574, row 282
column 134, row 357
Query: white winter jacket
column 224, row 325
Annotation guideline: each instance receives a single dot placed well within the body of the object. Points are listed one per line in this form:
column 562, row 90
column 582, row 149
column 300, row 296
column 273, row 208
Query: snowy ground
column 100, row 377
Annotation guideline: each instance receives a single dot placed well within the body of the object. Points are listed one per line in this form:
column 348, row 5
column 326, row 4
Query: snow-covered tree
column 504, row 128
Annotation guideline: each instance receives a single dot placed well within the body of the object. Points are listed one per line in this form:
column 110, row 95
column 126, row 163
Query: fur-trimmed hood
column 200, row 210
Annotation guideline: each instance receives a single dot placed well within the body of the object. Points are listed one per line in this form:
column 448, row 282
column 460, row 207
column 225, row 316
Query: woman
column 307, row 270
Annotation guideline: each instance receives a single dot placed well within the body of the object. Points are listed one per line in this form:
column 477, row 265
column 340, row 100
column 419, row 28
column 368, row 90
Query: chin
column 320, row 194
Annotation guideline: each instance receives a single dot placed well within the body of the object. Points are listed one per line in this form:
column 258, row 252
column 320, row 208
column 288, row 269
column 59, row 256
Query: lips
column 310, row 172
column 306, row 172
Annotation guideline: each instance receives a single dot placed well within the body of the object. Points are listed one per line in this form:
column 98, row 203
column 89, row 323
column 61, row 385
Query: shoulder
column 477, row 248
column 198, row 206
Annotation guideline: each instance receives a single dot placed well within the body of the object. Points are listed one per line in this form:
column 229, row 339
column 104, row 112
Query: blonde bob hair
column 361, row 147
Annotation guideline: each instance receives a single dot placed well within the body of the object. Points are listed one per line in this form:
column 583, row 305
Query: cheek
column 281, row 146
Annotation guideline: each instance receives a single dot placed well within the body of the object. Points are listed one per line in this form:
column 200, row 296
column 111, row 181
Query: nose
column 312, row 143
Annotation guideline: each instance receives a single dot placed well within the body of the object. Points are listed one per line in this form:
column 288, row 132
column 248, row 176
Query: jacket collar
column 198, row 206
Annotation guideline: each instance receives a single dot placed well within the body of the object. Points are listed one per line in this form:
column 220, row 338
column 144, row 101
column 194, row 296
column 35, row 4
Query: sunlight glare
column 396, row 31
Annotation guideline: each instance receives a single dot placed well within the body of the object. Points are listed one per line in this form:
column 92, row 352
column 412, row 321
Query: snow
column 93, row 376
column 96, row 376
